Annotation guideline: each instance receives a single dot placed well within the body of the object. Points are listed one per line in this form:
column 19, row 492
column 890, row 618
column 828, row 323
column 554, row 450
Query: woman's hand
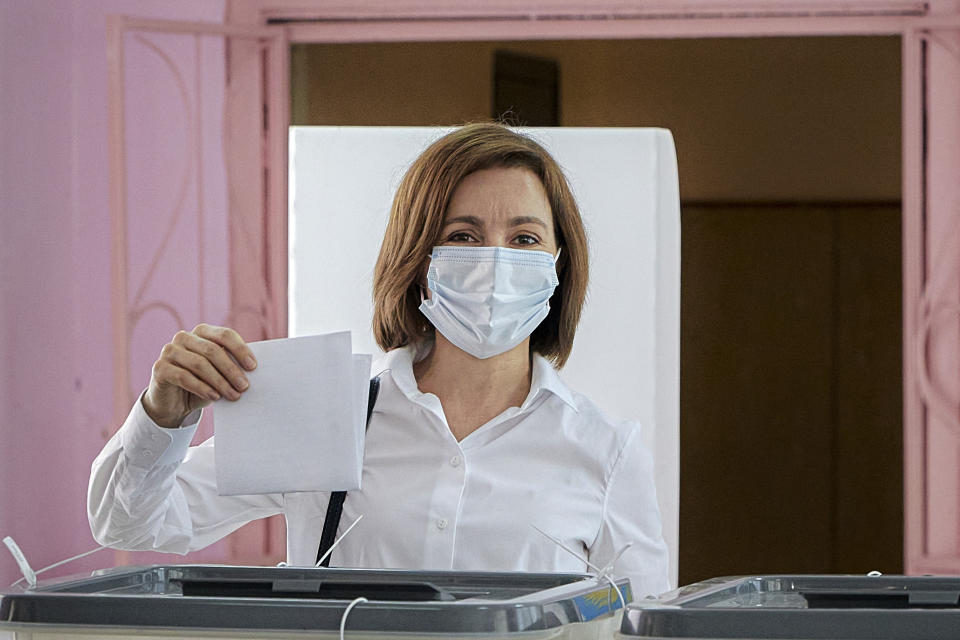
column 193, row 370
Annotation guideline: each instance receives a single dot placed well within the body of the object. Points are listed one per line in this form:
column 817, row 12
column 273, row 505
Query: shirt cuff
column 146, row 443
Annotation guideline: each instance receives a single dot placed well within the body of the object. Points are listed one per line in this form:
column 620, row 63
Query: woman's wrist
column 158, row 417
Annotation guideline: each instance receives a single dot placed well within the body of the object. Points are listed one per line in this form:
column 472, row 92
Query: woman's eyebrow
column 477, row 222
column 473, row 220
column 527, row 220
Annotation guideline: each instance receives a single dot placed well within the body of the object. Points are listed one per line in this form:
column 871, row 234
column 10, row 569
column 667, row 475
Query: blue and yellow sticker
column 601, row 601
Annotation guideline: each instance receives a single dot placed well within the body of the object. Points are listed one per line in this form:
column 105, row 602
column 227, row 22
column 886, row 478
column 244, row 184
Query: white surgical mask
column 487, row 300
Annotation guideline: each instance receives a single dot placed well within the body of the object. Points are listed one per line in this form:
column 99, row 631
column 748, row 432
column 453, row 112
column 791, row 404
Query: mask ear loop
column 422, row 288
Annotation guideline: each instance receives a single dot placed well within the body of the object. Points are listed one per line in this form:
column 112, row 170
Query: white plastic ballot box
column 627, row 350
column 202, row 601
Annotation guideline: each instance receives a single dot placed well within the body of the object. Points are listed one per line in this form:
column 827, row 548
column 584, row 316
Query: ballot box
column 205, row 601
column 802, row 607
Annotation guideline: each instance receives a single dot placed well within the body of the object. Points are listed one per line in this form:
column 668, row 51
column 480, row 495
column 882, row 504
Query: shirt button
column 442, row 524
column 455, row 461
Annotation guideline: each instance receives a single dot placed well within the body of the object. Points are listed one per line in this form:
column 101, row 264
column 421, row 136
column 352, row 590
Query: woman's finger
column 216, row 355
column 229, row 340
column 165, row 372
column 201, row 368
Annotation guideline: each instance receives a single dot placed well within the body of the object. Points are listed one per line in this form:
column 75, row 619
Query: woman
column 474, row 442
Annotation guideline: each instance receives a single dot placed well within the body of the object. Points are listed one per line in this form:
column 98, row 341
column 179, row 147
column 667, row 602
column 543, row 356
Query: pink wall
column 56, row 379
column 37, row 303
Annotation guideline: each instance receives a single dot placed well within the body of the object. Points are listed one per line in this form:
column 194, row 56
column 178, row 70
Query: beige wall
column 754, row 119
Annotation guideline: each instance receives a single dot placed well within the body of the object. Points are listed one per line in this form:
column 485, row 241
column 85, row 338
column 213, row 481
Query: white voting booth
column 626, row 356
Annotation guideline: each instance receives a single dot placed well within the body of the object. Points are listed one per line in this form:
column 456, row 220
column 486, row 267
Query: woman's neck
column 474, row 391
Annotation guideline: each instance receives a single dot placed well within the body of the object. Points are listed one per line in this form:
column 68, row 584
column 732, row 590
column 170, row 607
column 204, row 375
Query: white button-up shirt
column 428, row 501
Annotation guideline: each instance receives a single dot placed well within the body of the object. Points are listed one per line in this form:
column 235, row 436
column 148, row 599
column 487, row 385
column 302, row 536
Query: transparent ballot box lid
column 801, row 607
column 216, row 597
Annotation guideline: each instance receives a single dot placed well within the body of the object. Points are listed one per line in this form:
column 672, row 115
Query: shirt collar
column 399, row 363
column 546, row 378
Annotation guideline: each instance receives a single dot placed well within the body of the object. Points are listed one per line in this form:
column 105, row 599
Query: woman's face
column 500, row 207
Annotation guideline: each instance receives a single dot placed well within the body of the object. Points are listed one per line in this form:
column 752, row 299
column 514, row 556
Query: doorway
column 789, row 157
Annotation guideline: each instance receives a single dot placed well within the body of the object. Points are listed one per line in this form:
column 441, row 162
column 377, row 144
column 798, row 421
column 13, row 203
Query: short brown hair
column 416, row 220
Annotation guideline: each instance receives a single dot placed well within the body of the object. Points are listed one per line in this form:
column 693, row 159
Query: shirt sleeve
column 631, row 515
column 149, row 490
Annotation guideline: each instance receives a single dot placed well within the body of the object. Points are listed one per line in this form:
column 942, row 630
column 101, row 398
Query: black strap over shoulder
column 335, row 508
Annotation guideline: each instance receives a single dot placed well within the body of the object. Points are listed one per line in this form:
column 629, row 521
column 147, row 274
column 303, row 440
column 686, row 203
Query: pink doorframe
column 255, row 214
column 930, row 33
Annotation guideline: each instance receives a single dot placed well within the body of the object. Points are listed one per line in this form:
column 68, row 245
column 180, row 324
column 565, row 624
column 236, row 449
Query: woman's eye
column 460, row 236
column 525, row 238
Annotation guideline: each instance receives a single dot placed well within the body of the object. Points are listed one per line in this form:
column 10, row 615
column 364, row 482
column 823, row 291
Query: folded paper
column 300, row 425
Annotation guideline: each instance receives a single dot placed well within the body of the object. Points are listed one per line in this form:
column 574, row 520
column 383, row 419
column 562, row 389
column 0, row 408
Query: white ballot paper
column 300, row 425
